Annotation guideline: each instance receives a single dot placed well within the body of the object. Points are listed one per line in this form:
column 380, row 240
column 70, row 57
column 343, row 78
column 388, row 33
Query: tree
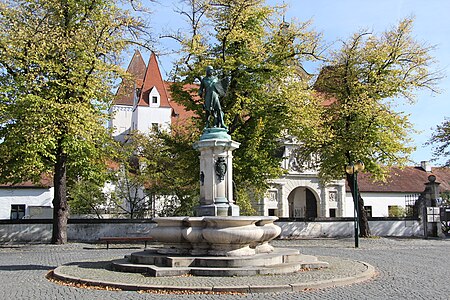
column 170, row 167
column 128, row 179
column 86, row 197
column 57, row 67
column 441, row 136
column 129, row 196
column 365, row 78
column 249, row 43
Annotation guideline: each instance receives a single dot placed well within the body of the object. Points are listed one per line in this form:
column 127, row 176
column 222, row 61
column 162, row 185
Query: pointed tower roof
column 152, row 79
column 127, row 89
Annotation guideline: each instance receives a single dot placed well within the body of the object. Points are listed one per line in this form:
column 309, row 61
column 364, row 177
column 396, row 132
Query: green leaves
column 57, row 70
column 441, row 141
column 268, row 96
column 365, row 77
column 168, row 168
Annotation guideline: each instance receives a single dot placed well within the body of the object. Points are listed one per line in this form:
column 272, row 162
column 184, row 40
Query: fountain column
column 216, row 173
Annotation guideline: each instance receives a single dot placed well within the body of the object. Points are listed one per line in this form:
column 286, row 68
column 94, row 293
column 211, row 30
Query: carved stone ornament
column 221, row 168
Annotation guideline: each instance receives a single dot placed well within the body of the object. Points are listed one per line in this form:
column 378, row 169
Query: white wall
column 86, row 232
column 42, row 197
column 378, row 201
column 121, row 121
column 397, row 228
column 90, row 231
column 144, row 117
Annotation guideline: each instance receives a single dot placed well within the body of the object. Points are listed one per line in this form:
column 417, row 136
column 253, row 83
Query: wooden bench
column 125, row 239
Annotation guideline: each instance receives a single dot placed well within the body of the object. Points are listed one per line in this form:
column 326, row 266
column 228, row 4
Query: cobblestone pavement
column 408, row 269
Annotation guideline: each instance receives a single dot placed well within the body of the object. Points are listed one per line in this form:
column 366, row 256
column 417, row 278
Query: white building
column 401, row 189
column 26, row 200
column 142, row 101
column 300, row 194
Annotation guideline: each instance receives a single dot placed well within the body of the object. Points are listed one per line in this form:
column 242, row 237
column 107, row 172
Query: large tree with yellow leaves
column 57, row 68
column 366, row 77
column 262, row 55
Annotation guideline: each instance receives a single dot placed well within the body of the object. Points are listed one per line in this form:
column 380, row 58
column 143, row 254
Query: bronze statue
column 211, row 89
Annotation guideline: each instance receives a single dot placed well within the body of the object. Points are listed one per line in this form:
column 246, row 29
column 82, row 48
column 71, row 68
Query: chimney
column 425, row 165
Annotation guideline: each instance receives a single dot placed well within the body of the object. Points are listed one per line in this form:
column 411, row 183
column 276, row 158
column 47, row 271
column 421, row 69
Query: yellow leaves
column 385, row 66
column 59, row 67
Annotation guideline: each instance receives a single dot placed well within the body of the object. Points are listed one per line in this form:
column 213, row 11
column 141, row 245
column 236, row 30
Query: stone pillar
column 216, row 173
column 429, row 199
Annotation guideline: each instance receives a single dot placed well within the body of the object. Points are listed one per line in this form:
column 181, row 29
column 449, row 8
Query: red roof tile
column 405, row 180
column 327, row 99
column 46, row 181
column 127, row 89
column 179, row 114
column 152, row 79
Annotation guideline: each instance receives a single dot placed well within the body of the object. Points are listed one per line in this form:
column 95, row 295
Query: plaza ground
column 407, row 269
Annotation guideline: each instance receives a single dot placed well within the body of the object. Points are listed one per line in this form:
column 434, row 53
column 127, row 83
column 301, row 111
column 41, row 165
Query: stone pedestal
column 216, row 173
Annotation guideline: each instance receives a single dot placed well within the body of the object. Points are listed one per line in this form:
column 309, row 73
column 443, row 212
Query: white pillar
column 216, row 175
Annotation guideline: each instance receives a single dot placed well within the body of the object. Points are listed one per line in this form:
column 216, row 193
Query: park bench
column 125, row 239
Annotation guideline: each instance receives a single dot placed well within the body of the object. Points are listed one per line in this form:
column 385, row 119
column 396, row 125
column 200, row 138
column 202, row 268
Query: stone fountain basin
column 216, row 236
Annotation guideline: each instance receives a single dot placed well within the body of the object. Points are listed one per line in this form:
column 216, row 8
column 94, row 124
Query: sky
column 338, row 20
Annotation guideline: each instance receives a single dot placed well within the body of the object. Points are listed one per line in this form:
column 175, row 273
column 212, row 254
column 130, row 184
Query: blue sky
column 337, row 20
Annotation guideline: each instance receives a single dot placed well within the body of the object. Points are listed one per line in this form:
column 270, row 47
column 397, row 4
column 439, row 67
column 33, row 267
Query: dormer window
column 154, row 98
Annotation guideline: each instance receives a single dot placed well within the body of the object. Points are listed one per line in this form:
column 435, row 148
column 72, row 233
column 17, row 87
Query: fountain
column 218, row 241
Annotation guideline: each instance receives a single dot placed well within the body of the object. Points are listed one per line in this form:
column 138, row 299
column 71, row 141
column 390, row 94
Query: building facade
column 26, row 200
column 142, row 101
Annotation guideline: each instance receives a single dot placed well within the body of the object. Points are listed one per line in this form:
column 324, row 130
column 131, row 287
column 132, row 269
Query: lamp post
column 354, row 168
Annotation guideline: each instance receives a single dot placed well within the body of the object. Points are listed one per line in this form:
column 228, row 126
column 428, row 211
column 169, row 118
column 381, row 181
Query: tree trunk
column 60, row 205
column 364, row 230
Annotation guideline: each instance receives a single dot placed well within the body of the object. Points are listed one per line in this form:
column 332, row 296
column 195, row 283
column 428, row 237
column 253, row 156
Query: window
column 272, row 212
column 332, row 212
column 409, row 210
column 368, row 210
column 154, row 99
column 17, row 211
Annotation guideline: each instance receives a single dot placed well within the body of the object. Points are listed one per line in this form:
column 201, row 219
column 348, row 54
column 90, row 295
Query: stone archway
column 302, row 203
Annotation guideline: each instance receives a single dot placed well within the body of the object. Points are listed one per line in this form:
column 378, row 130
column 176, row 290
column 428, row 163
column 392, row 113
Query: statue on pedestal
column 211, row 89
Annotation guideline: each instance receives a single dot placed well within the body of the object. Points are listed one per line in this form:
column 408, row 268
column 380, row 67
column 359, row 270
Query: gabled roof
column 404, row 180
column 152, row 79
column 127, row 89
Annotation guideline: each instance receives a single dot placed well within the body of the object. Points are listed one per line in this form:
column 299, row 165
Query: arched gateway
column 302, row 203
column 303, row 196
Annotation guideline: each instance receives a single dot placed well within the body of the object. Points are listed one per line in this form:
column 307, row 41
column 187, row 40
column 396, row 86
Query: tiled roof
column 179, row 114
column 46, row 181
column 127, row 89
column 152, row 79
column 404, row 180
column 327, row 99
